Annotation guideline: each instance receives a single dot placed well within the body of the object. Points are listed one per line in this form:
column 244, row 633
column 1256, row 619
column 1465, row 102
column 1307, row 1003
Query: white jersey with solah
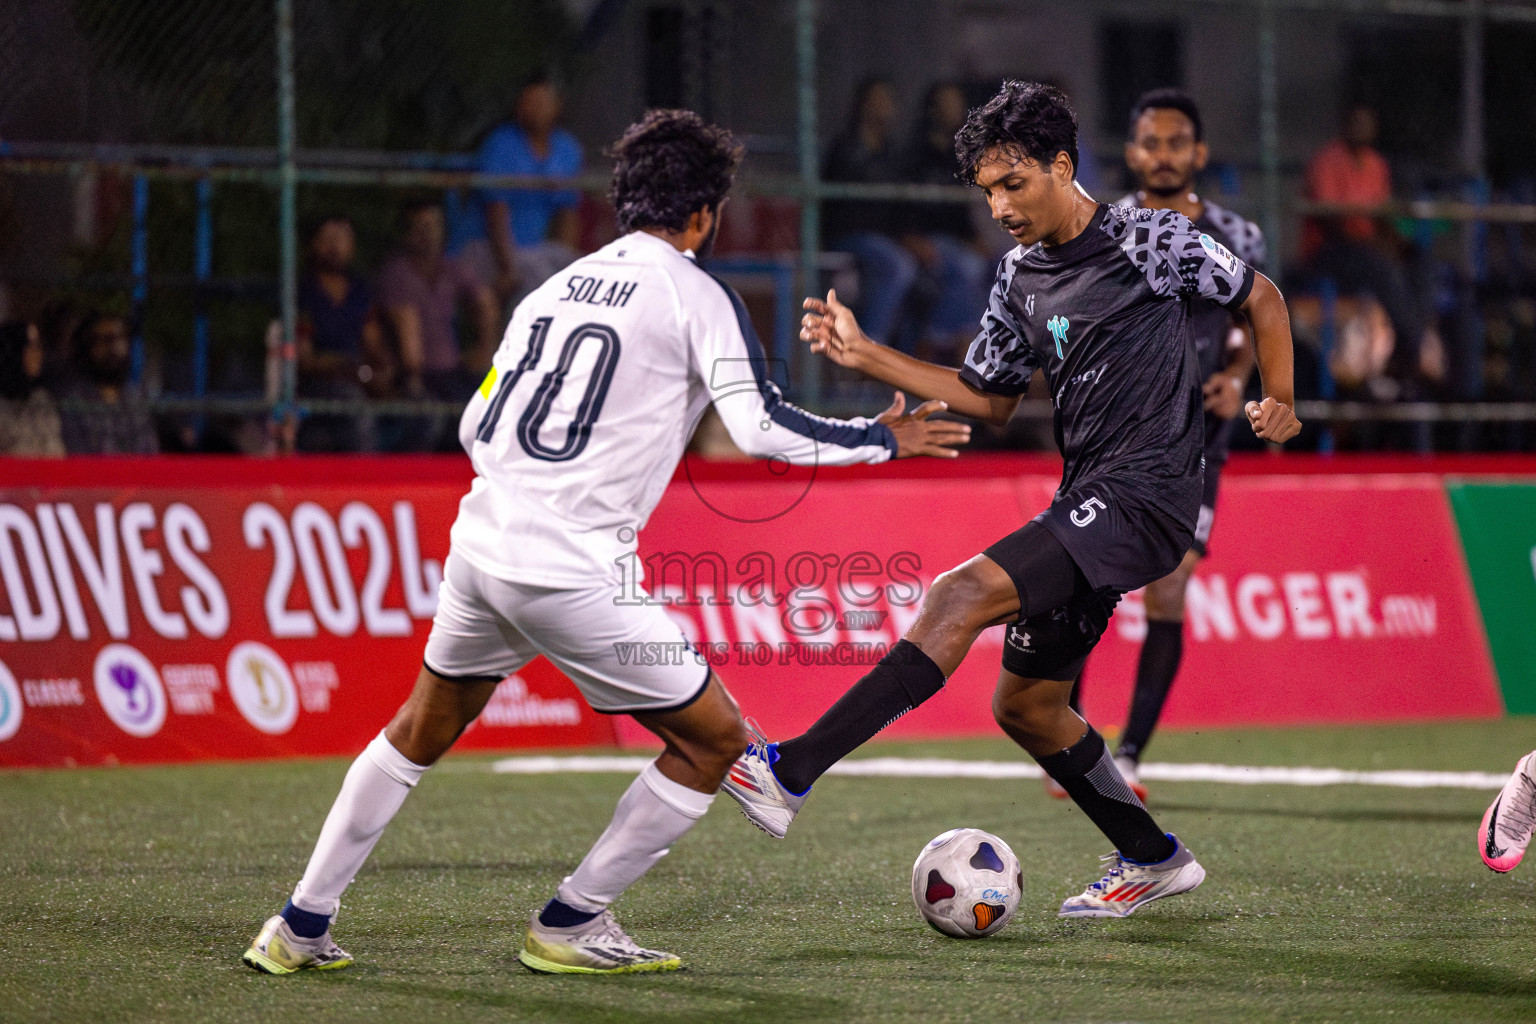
column 593, row 395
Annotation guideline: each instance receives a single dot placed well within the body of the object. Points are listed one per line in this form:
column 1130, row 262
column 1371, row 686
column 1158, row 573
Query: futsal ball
column 966, row 883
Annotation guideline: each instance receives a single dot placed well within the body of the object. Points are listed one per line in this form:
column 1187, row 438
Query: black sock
column 305, row 924
column 562, row 915
column 1161, row 653
column 902, row 680
column 1088, row 774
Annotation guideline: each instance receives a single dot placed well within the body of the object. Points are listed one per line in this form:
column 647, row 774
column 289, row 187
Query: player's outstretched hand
column 832, row 330
column 1272, row 420
column 916, row 434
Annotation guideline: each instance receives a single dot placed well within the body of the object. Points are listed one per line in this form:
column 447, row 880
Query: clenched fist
column 1272, row 420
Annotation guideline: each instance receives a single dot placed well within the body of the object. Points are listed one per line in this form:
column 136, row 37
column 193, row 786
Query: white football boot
column 277, row 950
column 752, row 784
column 1127, row 886
column 1510, row 819
column 598, row 947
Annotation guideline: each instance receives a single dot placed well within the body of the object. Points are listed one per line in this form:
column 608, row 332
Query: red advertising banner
column 165, row 623
column 1327, row 599
column 1324, row 599
column 168, row 610
column 798, row 586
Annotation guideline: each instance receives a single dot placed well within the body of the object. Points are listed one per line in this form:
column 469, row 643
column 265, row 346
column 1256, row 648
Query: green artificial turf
column 129, row 894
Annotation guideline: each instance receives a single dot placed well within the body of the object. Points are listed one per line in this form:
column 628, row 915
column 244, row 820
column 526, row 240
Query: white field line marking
column 940, row 768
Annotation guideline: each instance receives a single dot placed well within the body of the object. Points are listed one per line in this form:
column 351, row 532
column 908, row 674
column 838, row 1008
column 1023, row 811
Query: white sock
column 652, row 815
column 375, row 787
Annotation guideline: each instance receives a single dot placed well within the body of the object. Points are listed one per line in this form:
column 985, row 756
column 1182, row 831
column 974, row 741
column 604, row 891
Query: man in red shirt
column 1358, row 253
column 1348, row 170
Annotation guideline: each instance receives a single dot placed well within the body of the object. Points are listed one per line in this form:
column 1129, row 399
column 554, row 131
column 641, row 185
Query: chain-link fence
column 136, row 71
column 143, row 164
column 142, row 158
column 373, row 74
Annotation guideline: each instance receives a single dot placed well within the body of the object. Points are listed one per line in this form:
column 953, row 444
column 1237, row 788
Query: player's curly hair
column 668, row 165
column 1028, row 120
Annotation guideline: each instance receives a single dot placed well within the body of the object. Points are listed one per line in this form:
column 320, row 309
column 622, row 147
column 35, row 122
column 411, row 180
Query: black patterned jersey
column 1106, row 317
column 1211, row 322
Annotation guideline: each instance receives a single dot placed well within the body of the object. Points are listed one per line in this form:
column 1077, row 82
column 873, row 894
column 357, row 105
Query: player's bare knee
column 960, row 598
column 1033, row 714
column 1164, row 599
column 1016, row 713
column 1002, row 712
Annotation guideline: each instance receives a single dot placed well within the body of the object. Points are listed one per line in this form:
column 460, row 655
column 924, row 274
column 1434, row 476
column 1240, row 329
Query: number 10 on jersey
column 532, row 421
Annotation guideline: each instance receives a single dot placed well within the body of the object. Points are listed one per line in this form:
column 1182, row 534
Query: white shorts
column 623, row 658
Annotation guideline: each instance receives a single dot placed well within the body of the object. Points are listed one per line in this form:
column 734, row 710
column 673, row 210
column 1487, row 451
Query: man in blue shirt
column 530, row 234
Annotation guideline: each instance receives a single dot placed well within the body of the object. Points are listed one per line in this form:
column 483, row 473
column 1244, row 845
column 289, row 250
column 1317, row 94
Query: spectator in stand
column 421, row 289
column 58, row 324
column 955, row 275
column 110, row 417
column 866, row 153
column 341, row 347
column 1359, row 253
column 1349, row 169
column 29, row 422
column 527, row 234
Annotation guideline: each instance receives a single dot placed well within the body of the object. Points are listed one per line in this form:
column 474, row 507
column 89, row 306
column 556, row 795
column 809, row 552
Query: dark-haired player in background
column 601, row 379
column 1098, row 298
column 1166, row 149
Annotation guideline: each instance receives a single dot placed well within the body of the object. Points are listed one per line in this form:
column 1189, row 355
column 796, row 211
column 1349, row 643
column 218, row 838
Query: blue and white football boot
column 753, row 785
column 1128, row 886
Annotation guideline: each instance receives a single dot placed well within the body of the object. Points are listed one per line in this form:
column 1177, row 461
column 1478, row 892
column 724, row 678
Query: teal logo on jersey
column 1058, row 327
column 1221, row 254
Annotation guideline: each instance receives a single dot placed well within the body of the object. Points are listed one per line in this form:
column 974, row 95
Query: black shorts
column 1055, row 644
column 1062, row 616
column 1117, row 539
column 1114, row 542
